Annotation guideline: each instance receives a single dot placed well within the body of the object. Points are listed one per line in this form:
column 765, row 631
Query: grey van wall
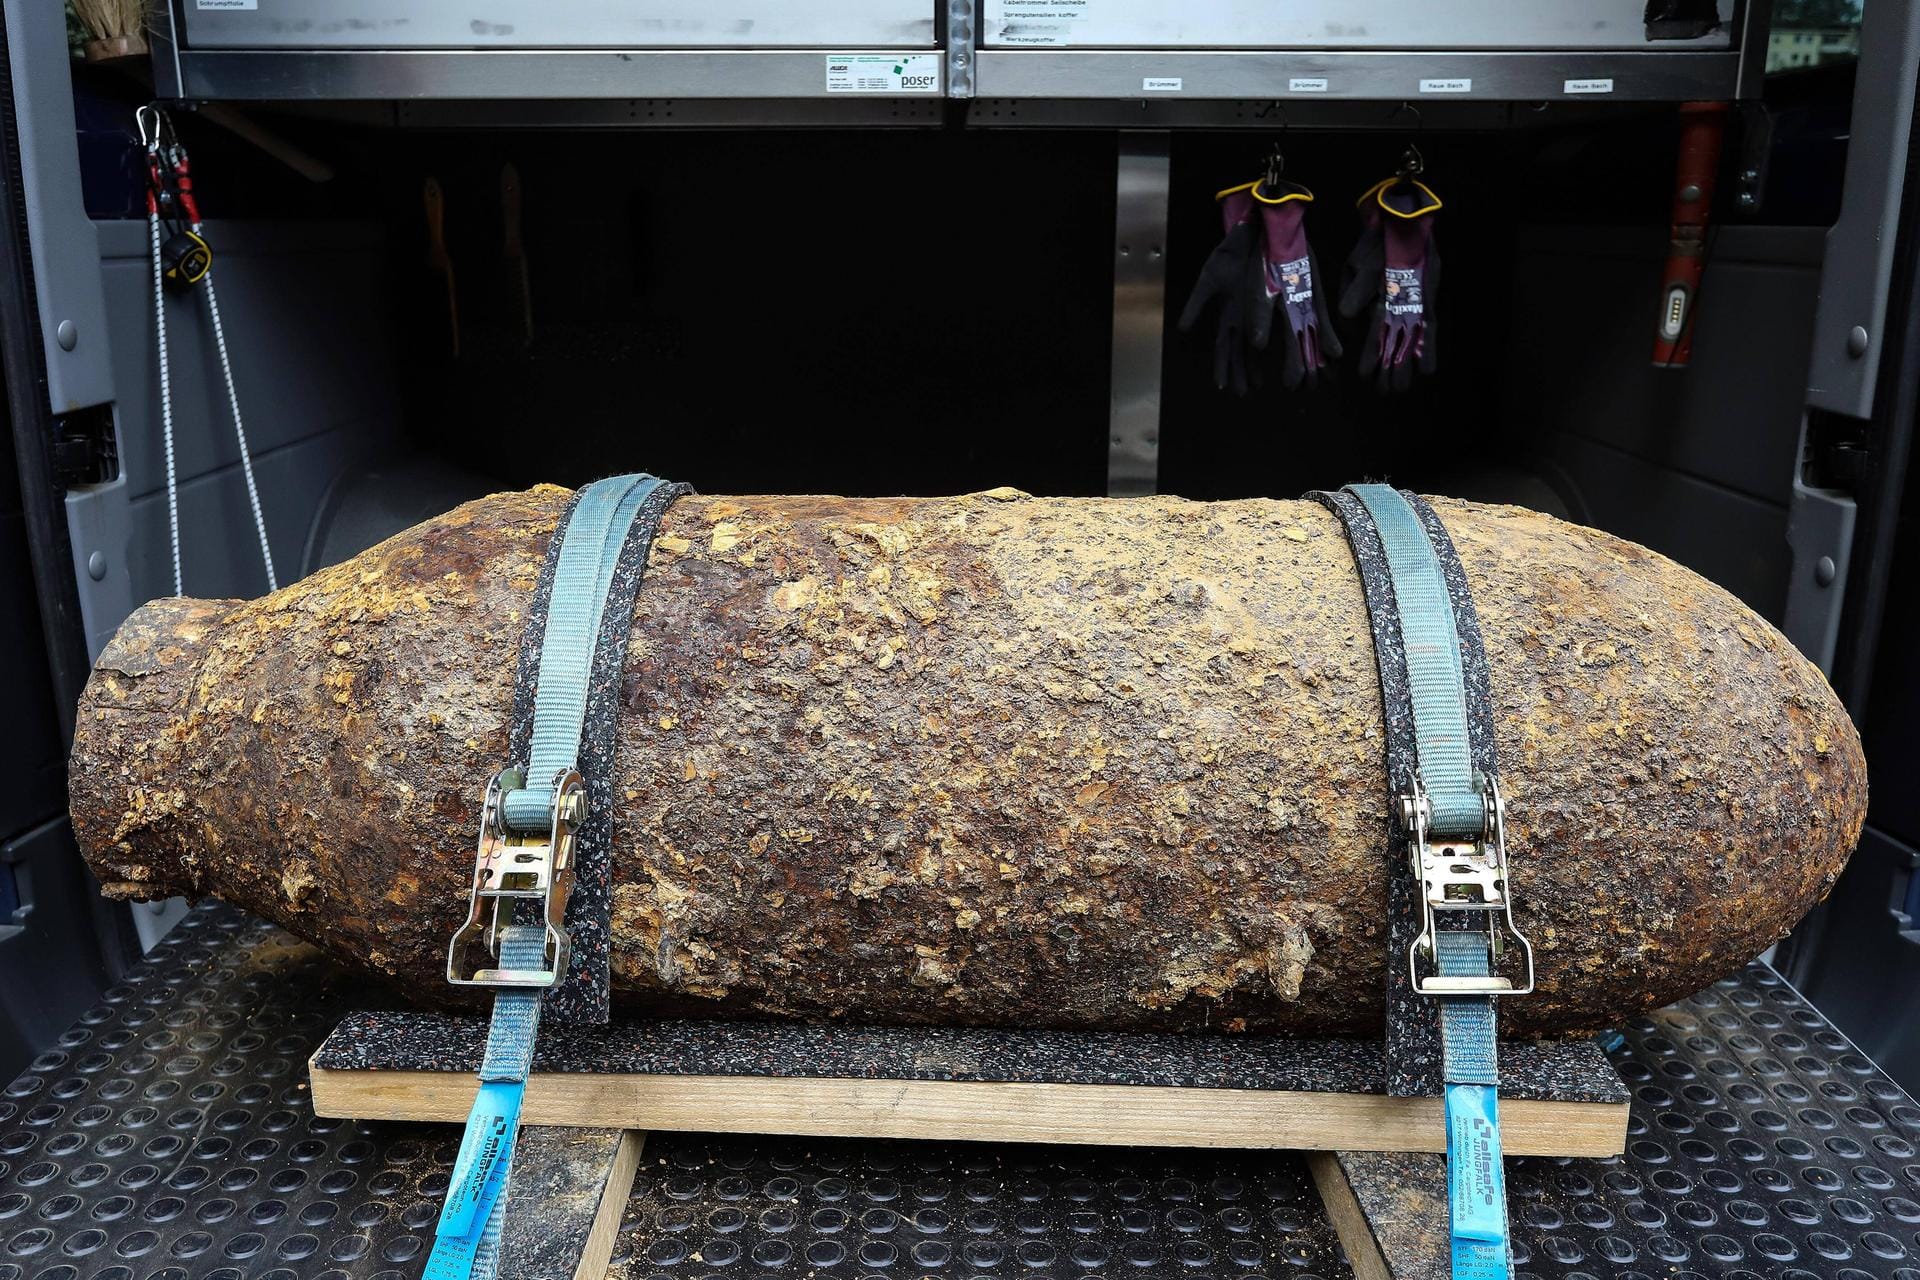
column 304, row 311
column 1696, row 463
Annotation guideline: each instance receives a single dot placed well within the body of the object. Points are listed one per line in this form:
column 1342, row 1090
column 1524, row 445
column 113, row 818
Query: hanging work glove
column 1394, row 278
column 1230, row 280
column 1291, row 287
column 1360, row 274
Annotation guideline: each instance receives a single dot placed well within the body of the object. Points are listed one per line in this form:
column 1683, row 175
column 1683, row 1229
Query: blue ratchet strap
column 595, row 534
column 466, row 1243
column 1450, row 803
column 467, row 1238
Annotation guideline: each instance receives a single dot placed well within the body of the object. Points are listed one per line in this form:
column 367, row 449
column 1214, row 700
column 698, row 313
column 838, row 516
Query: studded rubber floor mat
column 168, row 1136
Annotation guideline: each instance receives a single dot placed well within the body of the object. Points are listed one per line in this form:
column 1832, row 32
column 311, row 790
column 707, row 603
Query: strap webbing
column 466, row 1242
column 1427, row 602
column 1434, row 675
column 596, row 532
column 583, row 565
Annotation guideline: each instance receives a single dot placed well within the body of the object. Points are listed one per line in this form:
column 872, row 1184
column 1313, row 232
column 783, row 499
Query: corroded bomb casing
column 988, row 759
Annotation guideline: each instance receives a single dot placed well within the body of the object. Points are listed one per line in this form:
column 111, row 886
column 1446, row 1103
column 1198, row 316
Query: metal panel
column 1754, row 25
column 963, row 33
column 1725, row 536
column 1732, row 419
column 1330, row 24
column 1310, row 76
column 66, row 259
column 542, row 24
column 1820, row 529
column 498, row 74
column 1139, row 313
column 844, row 112
column 314, row 380
column 1849, row 321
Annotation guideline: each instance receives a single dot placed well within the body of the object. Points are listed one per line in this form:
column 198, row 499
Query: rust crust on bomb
column 987, row 760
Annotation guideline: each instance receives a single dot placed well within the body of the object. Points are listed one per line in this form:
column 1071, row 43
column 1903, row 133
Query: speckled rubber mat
column 407, row 1041
column 168, row 1136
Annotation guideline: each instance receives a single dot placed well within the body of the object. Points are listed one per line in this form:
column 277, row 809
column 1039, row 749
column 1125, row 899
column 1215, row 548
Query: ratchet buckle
column 512, row 867
column 1458, row 875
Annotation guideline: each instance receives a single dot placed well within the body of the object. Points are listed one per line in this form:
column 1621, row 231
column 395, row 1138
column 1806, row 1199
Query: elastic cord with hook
column 163, row 159
column 148, row 119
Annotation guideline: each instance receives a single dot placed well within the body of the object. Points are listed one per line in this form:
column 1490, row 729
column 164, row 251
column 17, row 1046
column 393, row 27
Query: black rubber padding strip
column 1413, row 1021
column 582, row 996
column 1558, row 1071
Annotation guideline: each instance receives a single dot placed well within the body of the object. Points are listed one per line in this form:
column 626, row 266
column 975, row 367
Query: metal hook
column 1412, row 163
column 148, row 120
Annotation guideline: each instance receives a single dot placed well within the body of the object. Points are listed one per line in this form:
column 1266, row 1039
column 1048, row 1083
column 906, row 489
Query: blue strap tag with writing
column 1476, row 1184
column 1479, row 1260
column 479, row 1174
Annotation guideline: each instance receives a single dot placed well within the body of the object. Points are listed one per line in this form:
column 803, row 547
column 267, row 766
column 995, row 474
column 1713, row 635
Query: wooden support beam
column 1389, row 1210
column 998, row 1111
column 565, row 1197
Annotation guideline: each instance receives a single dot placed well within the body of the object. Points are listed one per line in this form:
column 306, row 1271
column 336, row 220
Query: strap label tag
column 486, row 1150
column 1476, row 1184
column 1479, row 1260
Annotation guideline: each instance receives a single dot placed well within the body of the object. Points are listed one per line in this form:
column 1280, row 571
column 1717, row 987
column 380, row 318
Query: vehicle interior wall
column 928, row 311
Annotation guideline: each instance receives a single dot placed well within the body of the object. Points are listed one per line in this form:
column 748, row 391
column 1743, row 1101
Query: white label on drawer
column 1590, row 86
column 1161, row 84
column 1461, row 85
column 1033, row 22
column 226, row 4
column 883, row 73
column 1307, row 84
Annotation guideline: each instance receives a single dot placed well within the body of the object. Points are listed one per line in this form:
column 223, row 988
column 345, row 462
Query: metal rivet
column 67, row 334
column 97, row 565
column 1857, row 341
column 1690, row 193
column 1825, row 571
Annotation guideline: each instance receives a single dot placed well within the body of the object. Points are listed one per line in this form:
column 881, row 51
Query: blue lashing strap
column 1434, row 674
column 1458, row 807
column 466, row 1242
column 588, row 554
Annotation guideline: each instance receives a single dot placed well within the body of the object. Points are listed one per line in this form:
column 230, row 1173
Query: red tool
column 1701, row 127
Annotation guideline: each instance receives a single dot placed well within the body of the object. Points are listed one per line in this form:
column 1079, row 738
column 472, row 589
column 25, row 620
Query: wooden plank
column 978, row 1111
column 1389, row 1210
column 565, row 1198
column 598, row 1251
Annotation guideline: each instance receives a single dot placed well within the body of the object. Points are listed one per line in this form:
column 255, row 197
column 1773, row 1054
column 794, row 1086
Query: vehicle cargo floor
column 168, row 1136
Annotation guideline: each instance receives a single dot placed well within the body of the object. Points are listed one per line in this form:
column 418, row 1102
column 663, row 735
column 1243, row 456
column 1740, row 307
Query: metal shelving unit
column 1113, row 52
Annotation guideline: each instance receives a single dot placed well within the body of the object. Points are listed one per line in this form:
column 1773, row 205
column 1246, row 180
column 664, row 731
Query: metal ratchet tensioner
column 1461, row 874
column 511, row 867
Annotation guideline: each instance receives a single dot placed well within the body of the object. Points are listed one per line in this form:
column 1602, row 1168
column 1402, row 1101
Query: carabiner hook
column 149, row 120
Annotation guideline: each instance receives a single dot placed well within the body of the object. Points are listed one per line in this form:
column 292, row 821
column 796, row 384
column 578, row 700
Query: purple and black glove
column 1393, row 278
column 1290, row 280
column 1231, row 280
